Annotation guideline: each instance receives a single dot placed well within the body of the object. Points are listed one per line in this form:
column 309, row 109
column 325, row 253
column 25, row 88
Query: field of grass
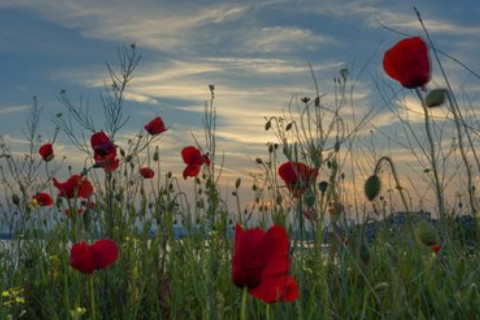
column 101, row 244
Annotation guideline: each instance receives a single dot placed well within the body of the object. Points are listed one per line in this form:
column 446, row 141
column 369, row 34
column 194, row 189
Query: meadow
column 100, row 244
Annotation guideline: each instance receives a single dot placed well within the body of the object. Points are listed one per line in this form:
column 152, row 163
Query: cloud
column 280, row 39
column 13, row 109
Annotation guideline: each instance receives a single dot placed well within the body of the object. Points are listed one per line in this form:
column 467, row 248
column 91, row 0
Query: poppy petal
column 280, row 289
column 105, row 252
column 191, row 171
column 191, row 155
column 81, row 258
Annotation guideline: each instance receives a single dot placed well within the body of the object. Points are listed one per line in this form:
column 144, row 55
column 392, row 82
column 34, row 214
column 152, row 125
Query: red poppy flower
column 194, row 159
column 147, row 173
column 75, row 186
column 261, row 263
column 109, row 162
column 43, row 199
column 88, row 258
column 104, row 151
column 155, row 126
column 408, row 62
column 46, row 152
column 297, row 176
column 436, row 247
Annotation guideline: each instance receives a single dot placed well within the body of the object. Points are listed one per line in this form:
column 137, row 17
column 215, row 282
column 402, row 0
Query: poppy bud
column 268, row 125
column 372, row 187
column 16, row 199
column 425, row 233
column 310, row 199
column 337, row 146
column 156, row 155
column 259, row 161
column 435, row 98
column 323, row 185
column 238, row 182
column 289, row 126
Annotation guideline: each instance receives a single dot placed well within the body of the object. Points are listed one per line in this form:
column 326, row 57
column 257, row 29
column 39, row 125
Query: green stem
column 243, row 311
column 92, row 296
column 433, row 158
column 395, row 176
column 267, row 311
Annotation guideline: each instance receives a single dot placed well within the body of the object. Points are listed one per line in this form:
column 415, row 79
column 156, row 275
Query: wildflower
column 75, row 186
column 194, row 159
column 46, row 152
column 435, row 247
column 297, row 176
column 43, row 199
column 155, row 126
column 426, row 234
column 104, row 152
column 147, row 173
column 88, row 258
column 261, row 263
column 408, row 63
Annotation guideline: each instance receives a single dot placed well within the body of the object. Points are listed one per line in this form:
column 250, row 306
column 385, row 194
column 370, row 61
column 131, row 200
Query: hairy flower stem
column 395, row 176
column 458, row 118
column 433, row 158
column 461, row 145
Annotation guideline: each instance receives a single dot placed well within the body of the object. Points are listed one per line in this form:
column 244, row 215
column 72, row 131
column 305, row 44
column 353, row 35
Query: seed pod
column 289, row 126
column 425, row 233
column 435, row 98
column 372, row 187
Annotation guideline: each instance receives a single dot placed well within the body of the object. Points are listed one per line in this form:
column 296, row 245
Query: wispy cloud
column 281, row 39
column 13, row 109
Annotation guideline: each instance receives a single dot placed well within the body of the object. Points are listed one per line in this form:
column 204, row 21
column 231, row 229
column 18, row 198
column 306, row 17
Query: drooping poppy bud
column 372, row 187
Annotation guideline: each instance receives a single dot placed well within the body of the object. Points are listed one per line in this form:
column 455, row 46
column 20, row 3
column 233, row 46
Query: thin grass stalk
column 433, row 158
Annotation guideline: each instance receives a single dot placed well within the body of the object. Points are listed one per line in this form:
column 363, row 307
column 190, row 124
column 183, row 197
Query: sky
column 256, row 53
